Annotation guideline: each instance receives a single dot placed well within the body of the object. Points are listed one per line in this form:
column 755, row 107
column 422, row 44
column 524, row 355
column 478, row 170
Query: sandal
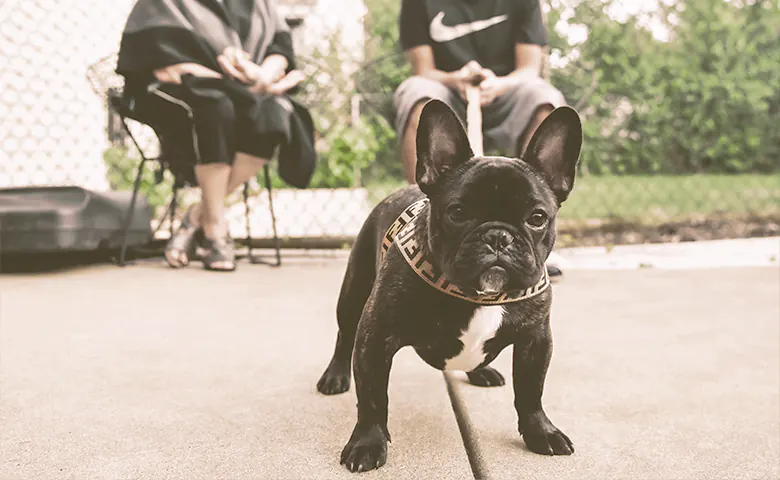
column 181, row 245
column 218, row 250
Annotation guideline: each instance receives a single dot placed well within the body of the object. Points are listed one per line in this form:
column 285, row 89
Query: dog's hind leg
column 357, row 285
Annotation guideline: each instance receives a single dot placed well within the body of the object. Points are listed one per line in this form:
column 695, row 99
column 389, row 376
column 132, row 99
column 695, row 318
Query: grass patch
column 670, row 197
column 658, row 198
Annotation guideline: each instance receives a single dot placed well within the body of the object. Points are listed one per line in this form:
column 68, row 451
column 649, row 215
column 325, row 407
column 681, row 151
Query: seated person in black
column 497, row 43
column 210, row 77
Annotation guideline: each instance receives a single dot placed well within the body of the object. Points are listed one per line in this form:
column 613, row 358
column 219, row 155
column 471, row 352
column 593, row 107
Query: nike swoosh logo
column 442, row 33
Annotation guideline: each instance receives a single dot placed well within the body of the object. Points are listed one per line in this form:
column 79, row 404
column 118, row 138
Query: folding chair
column 109, row 85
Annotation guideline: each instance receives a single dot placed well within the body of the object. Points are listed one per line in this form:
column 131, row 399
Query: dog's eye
column 538, row 219
column 456, row 213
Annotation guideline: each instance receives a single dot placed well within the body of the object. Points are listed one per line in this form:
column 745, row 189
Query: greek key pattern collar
column 402, row 234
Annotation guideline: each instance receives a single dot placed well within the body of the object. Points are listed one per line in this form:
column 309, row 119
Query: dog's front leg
column 373, row 357
column 531, row 358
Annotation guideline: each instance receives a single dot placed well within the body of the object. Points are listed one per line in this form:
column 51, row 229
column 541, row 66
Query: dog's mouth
column 493, row 280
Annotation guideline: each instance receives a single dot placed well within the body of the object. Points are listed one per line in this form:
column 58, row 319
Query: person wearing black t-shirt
column 496, row 43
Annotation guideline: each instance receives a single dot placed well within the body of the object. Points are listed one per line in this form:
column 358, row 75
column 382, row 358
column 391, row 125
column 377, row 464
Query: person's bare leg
column 409, row 145
column 175, row 256
column 213, row 182
column 216, row 181
column 536, row 119
column 245, row 167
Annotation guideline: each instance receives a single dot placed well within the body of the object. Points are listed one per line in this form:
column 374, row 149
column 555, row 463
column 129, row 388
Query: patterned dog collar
column 402, row 234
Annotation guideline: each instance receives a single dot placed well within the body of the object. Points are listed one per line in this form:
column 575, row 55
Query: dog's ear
column 554, row 150
column 442, row 144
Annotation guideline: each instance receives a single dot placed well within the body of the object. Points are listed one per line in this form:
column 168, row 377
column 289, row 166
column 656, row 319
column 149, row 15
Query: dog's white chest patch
column 482, row 327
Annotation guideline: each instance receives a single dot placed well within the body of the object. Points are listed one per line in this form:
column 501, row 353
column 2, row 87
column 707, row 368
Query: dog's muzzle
column 493, row 280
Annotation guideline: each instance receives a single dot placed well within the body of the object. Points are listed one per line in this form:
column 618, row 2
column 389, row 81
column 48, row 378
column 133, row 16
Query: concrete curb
column 748, row 252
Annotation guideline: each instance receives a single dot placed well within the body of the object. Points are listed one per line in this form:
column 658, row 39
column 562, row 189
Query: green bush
column 351, row 151
column 121, row 170
column 707, row 100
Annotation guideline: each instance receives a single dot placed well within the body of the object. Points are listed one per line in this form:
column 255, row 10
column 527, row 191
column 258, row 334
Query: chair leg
column 131, row 211
column 136, row 188
column 277, row 242
column 248, row 223
column 173, row 207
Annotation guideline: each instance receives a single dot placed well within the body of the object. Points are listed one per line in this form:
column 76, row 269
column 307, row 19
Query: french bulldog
column 455, row 268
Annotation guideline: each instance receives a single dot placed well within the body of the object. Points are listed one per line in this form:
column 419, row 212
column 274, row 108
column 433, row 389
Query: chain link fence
column 56, row 129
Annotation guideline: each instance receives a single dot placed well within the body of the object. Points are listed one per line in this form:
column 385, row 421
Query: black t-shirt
column 463, row 30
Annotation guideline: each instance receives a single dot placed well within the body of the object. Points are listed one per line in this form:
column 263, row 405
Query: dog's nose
column 497, row 239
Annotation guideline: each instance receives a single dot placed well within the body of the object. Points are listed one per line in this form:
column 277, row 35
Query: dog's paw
column 334, row 381
column 366, row 450
column 542, row 437
column 486, row 377
column 553, row 442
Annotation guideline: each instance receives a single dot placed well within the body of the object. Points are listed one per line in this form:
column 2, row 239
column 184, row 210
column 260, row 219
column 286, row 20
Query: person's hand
column 469, row 75
column 234, row 63
column 285, row 83
column 173, row 73
column 492, row 87
column 261, row 79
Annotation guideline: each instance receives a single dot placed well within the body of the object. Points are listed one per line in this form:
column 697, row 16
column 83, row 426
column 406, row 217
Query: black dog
column 456, row 269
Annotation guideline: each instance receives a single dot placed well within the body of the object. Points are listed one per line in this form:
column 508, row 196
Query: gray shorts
column 503, row 121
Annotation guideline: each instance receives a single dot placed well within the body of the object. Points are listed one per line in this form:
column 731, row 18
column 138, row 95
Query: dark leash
column 467, row 431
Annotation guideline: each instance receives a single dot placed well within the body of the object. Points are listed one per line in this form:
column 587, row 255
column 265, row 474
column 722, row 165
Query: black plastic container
column 60, row 219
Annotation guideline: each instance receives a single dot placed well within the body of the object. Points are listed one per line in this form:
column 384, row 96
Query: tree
column 704, row 100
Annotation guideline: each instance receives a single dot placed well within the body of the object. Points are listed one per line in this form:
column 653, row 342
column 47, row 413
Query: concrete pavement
column 742, row 252
column 147, row 372
column 656, row 375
